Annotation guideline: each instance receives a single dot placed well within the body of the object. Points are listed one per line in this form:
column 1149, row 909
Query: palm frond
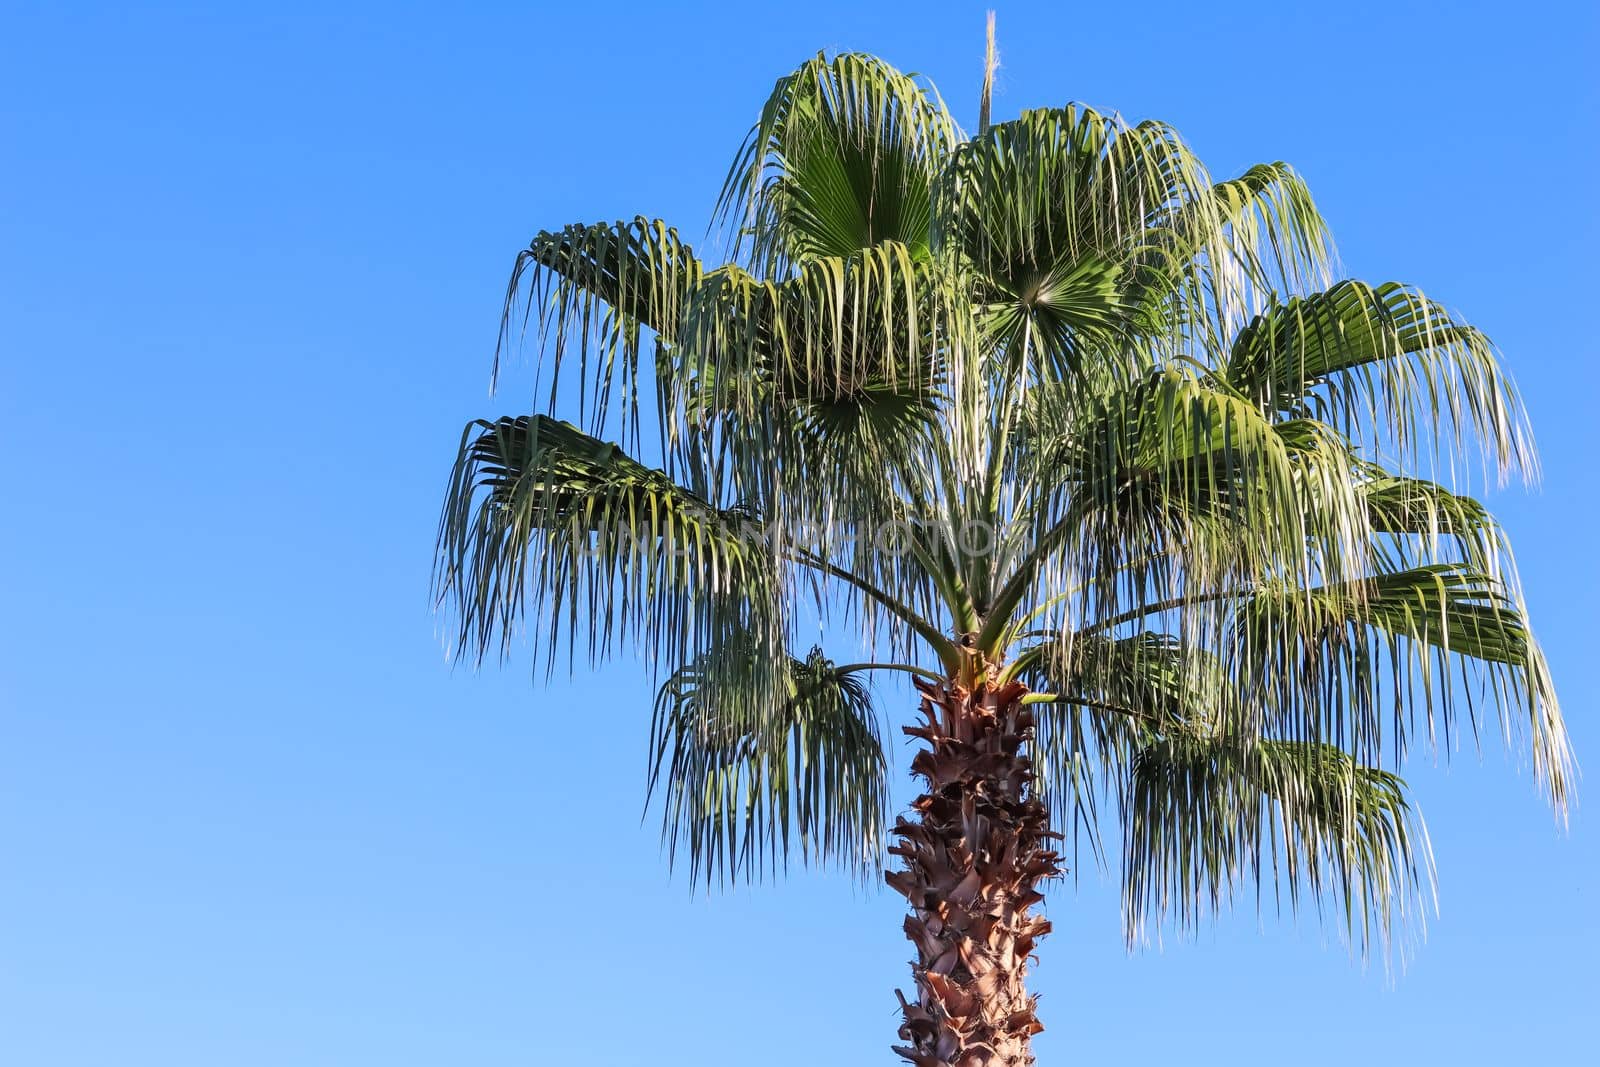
column 1436, row 643
column 747, row 777
column 1173, row 486
column 841, row 159
column 1207, row 815
column 822, row 392
column 542, row 519
column 1384, row 359
column 1422, row 522
column 1252, row 235
column 1099, row 699
column 843, row 324
column 1275, row 228
column 1049, row 212
column 594, row 291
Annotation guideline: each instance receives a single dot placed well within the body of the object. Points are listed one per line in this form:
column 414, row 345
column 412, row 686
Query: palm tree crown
column 1046, row 411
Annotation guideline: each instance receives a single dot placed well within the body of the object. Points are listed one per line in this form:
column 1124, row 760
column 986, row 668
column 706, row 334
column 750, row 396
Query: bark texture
column 974, row 858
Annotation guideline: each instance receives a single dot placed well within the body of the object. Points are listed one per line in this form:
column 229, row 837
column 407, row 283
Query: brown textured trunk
column 974, row 861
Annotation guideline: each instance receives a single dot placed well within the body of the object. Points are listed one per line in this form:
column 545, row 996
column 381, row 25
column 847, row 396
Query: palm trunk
column 974, row 859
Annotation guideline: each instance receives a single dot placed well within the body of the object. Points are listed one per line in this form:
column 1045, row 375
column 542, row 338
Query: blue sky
column 250, row 265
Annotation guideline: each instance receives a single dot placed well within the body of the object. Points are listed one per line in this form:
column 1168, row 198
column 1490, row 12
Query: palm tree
column 1089, row 445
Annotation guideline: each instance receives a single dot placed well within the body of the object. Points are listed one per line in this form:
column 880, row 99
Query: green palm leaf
column 1049, row 212
column 1427, row 643
column 842, row 158
column 1263, row 223
column 609, row 549
column 1169, row 476
column 1385, row 358
column 745, row 777
column 598, row 289
column 1208, row 815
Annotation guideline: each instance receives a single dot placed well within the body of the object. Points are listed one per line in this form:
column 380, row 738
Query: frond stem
column 921, row 672
column 1099, row 705
column 942, row 646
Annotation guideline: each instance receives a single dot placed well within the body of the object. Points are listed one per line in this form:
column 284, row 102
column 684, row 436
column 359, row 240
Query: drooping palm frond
column 1102, row 697
column 608, row 549
column 1218, row 254
column 597, row 289
column 818, row 398
column 841, row 325
column 1385, row 360
column 1207, row 815
column 1171, row 486
column 746, row 779
column 1418, row 522
column 1275, row 232
column 1360, row 663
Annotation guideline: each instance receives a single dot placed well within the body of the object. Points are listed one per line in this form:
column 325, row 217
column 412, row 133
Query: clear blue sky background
column 250, row 265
